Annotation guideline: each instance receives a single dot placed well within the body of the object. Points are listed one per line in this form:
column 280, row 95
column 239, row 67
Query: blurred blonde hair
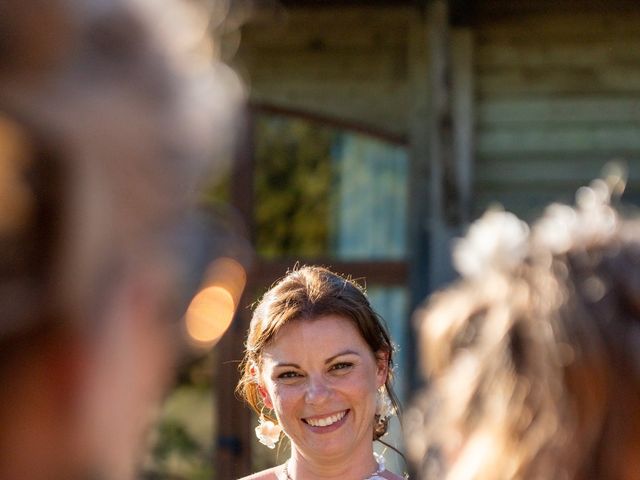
column 531, row 359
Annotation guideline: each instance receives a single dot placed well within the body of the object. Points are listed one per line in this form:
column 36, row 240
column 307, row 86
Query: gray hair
column 107, row 126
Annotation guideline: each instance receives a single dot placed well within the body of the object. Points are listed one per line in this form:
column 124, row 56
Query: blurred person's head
column 532, row 359
column 107, row 123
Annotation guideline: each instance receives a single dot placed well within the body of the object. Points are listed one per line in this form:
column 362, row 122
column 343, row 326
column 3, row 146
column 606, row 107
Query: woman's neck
column 356, row 464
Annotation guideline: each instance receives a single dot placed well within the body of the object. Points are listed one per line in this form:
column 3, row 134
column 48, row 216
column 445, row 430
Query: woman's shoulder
column 269, row 474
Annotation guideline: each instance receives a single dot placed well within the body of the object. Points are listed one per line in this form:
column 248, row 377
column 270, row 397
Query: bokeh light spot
column 212, row 309
column 209, row 315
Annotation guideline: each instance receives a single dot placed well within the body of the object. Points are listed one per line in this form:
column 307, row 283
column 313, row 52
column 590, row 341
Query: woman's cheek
column 283, row 395
column 357, row 383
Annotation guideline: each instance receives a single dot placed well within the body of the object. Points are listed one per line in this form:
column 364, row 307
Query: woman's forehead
column 322, row 336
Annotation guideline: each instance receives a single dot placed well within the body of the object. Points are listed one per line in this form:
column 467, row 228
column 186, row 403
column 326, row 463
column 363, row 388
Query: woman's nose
column 317, row 391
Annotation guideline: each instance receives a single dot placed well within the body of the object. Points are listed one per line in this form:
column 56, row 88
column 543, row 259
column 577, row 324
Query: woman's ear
column 382, row 363
column 254, row 372
column 266, row 398
column 264, row 394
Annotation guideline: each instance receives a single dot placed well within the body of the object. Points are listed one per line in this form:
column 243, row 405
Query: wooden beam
column 331, row 121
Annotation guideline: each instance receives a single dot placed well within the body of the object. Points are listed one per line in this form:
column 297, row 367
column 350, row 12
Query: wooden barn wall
column 556, row 85
column 349, row 63
column 557, row 96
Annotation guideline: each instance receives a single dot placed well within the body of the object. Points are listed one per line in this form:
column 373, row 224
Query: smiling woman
column 318, row 367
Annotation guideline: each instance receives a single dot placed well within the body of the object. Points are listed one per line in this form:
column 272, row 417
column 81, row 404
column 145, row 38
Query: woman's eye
column 285, row 375
column 342, row 366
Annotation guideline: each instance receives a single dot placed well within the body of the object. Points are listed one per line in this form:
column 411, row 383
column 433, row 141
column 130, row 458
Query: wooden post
column 420, row 171
column 440, row 149
column 442, row 137
column 443, row 215
column 233, row 450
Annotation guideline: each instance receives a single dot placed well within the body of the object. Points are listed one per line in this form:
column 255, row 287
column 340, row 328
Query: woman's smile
column 326, row 423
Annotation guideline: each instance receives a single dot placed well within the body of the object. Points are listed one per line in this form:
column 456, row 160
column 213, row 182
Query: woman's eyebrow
column 287, row 365
column 345, row 352
column 328, row 360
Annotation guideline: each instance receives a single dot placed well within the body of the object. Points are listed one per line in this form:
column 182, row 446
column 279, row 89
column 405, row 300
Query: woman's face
column 321, row 378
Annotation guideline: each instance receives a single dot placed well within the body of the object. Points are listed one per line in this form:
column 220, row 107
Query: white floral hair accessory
column 497, row 241
column 384, row 406
column 593, row 220
column 268, row 433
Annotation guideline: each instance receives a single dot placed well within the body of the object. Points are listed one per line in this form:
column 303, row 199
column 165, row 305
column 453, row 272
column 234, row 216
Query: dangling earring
column 268, row 433
column 384, row 406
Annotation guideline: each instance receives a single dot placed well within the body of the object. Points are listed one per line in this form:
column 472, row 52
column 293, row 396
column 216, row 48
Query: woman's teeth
column 325, row 422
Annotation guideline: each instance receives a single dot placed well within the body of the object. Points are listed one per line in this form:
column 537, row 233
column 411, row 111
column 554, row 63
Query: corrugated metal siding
column 558, row 95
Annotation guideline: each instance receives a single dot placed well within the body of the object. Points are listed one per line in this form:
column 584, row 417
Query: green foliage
column 173, row 437
column 293, row 178
column 181, row 444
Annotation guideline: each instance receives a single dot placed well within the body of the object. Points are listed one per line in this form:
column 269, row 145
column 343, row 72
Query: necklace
column 374, row 476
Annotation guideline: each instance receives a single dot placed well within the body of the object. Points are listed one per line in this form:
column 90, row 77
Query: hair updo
column 531, row 359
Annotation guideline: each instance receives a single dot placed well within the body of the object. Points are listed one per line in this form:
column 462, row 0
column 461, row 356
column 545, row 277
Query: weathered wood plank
column 559, row 96
column 346, row 62
column 354, row 15
column 351, row 102
column 370, row 28
column 552, row 5
column 575, row 81
column 526, row 203
column 554, row 110
column 544, row 52
column 572, row 139
column 559, row 25
column 337, row 64
column 492, row 7
column 545, row 170
column 529, row 201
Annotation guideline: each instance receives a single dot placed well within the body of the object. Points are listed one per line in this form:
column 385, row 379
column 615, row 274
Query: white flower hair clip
column 497, row 241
